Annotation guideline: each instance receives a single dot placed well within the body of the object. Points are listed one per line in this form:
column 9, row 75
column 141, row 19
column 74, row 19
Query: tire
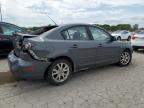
column 129, row 38
column 55, row 74
column 125, row 58
column 119, row 38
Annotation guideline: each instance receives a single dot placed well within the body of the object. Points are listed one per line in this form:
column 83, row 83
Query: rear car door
column 107, row 51
column 81, row 47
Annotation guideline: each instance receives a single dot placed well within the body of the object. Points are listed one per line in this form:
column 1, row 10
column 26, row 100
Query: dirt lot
column 3, row 64
column 106, row 87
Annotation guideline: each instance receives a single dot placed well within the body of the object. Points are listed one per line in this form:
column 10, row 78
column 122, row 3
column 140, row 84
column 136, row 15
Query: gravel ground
column 105, row 87
column 3, row 64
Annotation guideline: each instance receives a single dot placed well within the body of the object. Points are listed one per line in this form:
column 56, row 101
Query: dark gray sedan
column 57, row 53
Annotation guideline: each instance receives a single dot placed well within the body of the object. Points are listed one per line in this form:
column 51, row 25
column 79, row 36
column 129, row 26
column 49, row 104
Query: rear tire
column 125, row 58
column 59, row 72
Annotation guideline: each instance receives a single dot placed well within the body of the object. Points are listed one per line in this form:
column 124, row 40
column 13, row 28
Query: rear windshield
column 42, row 30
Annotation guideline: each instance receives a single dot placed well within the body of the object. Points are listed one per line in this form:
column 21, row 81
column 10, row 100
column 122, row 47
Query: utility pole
column 0, row 11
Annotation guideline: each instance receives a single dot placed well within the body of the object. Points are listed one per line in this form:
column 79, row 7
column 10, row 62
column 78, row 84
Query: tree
column 135, row 27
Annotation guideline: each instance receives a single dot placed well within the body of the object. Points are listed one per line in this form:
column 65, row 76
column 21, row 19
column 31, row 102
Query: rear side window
column 76, row 33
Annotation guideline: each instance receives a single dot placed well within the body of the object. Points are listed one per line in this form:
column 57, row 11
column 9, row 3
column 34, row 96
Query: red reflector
column 29, row 69
column 133, row 37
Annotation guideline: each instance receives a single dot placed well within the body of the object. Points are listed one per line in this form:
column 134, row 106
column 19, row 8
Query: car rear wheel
column 125, row 58
column 59, row 72
column 119, row 38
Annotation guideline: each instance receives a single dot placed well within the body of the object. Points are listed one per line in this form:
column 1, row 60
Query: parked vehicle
column 57, row 53
column 6, row 36
column 122, row 35
column 137, row 40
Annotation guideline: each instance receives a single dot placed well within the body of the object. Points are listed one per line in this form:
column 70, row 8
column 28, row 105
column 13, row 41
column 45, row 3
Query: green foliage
column 106, row 27
column 119, row 27
column 135, row 27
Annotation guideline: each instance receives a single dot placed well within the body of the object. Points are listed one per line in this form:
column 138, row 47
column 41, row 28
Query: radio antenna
column 50, row 18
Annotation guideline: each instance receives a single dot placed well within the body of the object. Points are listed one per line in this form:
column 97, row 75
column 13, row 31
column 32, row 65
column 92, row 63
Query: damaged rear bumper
column 28, row 69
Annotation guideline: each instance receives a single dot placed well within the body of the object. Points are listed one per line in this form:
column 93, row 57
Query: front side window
column 76, row 33
column 99, row 35
column 9, row 30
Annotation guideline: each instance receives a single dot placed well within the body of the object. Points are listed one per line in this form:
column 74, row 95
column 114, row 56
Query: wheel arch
column 118, row 37
column 127, row 49
column 60, row 57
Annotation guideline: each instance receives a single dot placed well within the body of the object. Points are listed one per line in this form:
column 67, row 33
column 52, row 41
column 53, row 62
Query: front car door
column 81, row 47
column 6, row 36
column 107, row 51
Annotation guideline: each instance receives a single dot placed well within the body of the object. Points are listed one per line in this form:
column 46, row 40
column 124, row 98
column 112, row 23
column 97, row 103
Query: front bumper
column 138, row 47
column 28, row 69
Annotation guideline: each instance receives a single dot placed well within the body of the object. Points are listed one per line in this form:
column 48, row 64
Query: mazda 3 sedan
column 57, row 53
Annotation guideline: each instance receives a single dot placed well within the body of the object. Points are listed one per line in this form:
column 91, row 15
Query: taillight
column 134, row 37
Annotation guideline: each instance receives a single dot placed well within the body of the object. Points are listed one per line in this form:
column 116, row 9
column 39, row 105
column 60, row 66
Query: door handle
column 74, row 46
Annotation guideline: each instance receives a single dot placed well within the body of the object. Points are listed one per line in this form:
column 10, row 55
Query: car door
column 125, row 35
column 81, row 47
column 6, row 36
column 107, row 51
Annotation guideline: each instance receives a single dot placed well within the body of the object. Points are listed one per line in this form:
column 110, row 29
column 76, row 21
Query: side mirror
column 113, row 38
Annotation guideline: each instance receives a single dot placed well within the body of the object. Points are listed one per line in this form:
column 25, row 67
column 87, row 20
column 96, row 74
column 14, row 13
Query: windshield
column 42, row 30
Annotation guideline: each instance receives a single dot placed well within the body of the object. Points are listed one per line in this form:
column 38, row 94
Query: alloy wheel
column 125, row 58
column 60, row 72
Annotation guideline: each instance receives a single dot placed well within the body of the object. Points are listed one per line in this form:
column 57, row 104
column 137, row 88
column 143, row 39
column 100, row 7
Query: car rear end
column 24, row 61
column 137, row 40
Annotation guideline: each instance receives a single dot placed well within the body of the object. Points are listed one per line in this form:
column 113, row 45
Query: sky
column 28, row 13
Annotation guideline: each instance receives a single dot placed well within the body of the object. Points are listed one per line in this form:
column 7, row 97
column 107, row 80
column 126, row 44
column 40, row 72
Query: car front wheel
column 59, row 72
column 125, row 58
